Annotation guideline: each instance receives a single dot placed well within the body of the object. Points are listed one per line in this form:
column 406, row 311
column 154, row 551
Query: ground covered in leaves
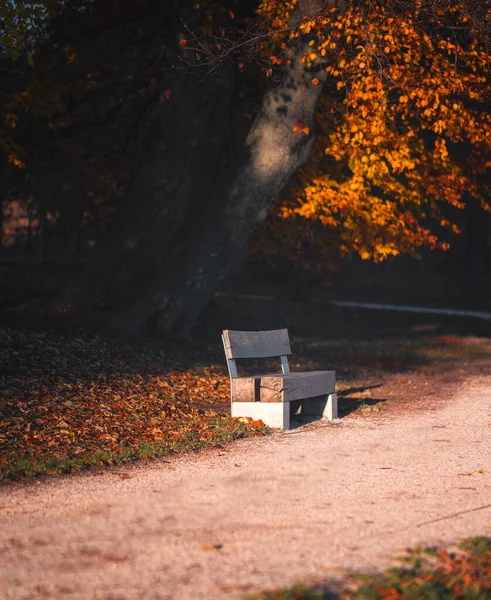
column 70, row 401
column 425, row 574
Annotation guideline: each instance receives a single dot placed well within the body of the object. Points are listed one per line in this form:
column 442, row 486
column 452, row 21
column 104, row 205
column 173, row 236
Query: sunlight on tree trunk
column 279, row 142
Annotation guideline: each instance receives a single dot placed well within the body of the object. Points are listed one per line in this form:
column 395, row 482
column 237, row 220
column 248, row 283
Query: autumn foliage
column 437, row 573
column 428, row 573
column 402, row 133
column 68, row 402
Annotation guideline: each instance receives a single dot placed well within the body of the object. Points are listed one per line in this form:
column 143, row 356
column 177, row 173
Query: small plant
column 435, row 574
column 426, row 574
column 370, row 407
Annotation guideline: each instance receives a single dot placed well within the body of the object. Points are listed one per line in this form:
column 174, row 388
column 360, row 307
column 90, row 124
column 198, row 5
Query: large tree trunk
column 170, row 293
column 273, row 151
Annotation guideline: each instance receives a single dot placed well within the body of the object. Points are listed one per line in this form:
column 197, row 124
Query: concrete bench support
column 325, row 407
column 272, row 414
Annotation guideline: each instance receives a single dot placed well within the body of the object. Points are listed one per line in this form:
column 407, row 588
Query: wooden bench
column 269, row 397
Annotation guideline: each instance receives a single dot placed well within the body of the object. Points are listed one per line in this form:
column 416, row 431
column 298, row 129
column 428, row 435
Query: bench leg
column 272, row 414
column 332, row 407
column 323, row 406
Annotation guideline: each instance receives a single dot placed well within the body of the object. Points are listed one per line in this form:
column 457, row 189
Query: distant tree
column 20, row 24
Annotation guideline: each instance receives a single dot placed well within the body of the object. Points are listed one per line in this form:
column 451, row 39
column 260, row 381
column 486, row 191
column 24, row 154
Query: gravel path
column 262, row 513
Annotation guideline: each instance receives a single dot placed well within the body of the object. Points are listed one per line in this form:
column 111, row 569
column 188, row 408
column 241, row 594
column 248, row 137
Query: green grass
column 425, row 574
column 222, row 433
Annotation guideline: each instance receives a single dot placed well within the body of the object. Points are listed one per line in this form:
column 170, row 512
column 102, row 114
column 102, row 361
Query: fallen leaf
column 207, row 547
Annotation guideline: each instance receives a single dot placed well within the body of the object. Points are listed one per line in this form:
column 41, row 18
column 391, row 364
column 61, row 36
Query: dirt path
column 351, row 494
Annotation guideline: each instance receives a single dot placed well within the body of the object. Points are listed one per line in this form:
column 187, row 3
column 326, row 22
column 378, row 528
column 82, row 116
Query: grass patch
column 219, row 430
column 425, row 574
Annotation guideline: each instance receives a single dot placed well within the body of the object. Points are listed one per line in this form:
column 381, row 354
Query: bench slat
column 283, row 388
column 256, row 344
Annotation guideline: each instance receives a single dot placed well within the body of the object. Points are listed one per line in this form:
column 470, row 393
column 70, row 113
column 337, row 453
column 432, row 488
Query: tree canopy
column 391, row 96
column 403, row 126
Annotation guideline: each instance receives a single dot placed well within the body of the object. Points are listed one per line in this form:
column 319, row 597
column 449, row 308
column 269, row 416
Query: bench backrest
column 256, row 344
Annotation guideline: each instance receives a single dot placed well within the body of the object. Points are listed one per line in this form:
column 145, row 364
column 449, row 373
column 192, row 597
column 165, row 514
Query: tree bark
column 273, row 151
column 173, row 262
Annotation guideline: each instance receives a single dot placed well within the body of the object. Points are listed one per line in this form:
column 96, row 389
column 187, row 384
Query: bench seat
column 286, row 387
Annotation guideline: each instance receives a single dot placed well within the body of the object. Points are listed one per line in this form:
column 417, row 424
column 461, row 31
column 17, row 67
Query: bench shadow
column 347, row 404
column 298, row 420
column 358, row 390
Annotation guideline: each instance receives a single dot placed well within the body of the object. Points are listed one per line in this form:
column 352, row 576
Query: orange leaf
column 207, row 546
column 300, row 127
column 315, row 81
column 183, row 42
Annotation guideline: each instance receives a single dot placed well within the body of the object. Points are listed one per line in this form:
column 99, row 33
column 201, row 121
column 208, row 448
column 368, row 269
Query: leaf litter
column 432, row 573
column 71, row 401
